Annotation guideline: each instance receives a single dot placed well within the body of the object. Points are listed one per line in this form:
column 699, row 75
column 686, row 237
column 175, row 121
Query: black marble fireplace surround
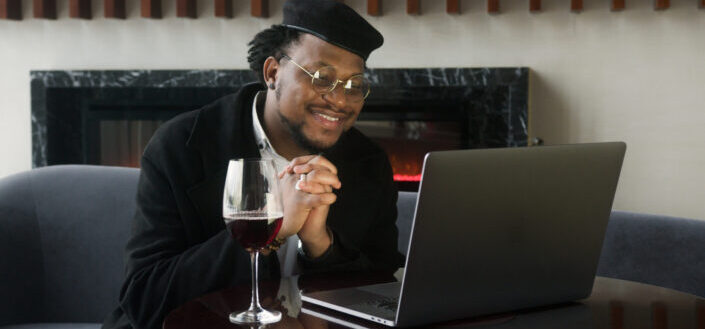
column 490, row 103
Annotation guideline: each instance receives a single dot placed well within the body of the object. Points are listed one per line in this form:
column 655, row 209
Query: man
column 339, row 197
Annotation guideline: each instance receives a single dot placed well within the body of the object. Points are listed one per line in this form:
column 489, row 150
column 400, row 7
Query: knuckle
column 302, row 168
column 316, row 189
column 313, row 175
column 299, row 160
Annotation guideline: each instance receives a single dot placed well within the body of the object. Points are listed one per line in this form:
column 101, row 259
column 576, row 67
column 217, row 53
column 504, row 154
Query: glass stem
column 254, row 303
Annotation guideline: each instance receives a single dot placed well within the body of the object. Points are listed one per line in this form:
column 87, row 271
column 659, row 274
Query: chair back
column 658, row 250
column 63, row 231
column 406, row 206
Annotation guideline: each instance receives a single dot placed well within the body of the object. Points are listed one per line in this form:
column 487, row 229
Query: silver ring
column 302, row 178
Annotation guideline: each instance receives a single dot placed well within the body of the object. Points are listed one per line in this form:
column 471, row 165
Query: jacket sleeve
column 163, row 271
column 378, row 250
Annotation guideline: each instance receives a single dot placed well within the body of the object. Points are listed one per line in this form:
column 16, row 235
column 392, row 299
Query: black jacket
column 179, row 248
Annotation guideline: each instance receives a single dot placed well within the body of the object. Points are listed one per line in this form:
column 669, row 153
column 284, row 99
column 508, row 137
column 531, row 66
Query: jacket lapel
column 222, row 131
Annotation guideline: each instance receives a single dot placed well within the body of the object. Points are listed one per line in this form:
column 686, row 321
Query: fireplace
column 107, row 117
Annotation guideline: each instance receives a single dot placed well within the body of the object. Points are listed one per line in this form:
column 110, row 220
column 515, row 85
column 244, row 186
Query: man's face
column 316, row 121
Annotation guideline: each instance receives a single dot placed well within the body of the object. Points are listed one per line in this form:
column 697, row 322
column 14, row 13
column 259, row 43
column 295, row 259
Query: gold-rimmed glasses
column 324, row 80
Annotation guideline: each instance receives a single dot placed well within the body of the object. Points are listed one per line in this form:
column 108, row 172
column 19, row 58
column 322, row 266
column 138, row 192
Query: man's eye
column 322, row 83
column 325, row 72
column 321, row 76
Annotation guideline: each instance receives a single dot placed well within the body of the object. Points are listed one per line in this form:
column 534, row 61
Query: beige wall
column 636, row 75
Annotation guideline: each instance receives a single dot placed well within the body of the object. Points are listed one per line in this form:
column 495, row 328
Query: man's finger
column 317, row 174
column 305, row 168
column 314, row 188
column 299, row 161
column 312, row 159
column 323, row 176
column 322, row 161
column 317, row 200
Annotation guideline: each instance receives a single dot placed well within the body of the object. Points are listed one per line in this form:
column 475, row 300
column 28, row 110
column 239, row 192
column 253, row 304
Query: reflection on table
column 613, row 304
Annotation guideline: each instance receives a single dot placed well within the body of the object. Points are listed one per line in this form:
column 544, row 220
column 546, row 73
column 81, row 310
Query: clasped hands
column 307, row 185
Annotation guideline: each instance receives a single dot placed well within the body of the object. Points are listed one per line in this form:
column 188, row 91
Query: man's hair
column 273, row 41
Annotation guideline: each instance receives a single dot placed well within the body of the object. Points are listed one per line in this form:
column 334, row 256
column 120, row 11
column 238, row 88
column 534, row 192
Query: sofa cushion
column 84, row 215
column 21, row 265
column 62, row 240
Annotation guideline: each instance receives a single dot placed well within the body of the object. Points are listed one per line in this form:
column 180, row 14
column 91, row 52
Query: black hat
column 333, row 22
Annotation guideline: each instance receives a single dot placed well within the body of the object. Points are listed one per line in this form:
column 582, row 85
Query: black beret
column 333, row 22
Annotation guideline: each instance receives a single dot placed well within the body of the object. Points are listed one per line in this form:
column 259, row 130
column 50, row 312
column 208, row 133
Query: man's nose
column 337, row 97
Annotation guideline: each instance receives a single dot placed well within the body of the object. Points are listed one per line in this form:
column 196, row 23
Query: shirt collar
column 260, row 135
column 265, row 147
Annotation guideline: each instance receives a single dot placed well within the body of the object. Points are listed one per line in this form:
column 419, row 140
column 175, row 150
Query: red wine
column 254, row 233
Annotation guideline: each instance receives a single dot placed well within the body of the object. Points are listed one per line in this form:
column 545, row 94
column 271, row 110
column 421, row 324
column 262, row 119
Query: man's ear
column 270, row 70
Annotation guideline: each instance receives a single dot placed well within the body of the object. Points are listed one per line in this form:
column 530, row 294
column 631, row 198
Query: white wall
column 636, row 75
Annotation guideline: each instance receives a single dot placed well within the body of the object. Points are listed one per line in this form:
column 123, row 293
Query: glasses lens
column 324, row 79
column 357, row 88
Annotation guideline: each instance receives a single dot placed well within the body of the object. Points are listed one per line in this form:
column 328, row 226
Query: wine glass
column 253, row 212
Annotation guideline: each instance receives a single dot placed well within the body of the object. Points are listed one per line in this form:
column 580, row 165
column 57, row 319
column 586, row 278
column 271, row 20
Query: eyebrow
column 322, row 63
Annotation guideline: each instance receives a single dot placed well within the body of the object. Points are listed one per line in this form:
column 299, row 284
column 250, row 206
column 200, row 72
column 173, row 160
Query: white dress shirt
column 288, row 261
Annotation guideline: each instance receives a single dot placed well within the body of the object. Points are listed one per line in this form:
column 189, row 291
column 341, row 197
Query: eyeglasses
column 324, row 81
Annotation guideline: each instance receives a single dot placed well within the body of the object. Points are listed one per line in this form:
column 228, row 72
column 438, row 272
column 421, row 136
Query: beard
column 301, row 140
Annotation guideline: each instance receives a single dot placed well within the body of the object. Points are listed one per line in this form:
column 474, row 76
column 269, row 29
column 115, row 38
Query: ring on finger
column 302, row 178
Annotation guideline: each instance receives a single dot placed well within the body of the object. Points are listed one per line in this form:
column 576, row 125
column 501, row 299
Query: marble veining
column 494, row 101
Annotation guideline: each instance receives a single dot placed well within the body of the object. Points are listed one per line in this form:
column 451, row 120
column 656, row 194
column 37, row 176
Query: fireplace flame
column 407, row 178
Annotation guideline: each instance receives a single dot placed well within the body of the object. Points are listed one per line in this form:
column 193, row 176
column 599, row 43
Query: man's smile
column 328, row 118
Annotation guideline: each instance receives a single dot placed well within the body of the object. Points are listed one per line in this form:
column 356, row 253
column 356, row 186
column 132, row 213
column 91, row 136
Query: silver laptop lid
column 504, row 229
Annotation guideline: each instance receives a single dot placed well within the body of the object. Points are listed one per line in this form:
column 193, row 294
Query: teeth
column 329, row 118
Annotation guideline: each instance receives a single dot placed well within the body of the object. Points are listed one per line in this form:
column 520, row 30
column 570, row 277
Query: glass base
column 256, row 317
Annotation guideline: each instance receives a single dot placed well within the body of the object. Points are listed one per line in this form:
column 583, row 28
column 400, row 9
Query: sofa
column 62, row 234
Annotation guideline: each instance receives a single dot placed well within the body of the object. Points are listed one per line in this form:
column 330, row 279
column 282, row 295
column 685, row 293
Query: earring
column 271, row 86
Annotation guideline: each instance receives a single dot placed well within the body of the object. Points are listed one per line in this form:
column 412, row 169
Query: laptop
column 496, row 230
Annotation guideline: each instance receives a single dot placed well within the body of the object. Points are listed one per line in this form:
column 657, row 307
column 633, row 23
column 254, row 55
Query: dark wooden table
column 613, row 304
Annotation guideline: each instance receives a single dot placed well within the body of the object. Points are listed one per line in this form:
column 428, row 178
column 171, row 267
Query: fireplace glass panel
column 407, row 142
column 116, row 135
column 122, row 142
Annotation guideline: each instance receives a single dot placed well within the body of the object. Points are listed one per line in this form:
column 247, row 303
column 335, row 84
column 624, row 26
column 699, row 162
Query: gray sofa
column 63, row 230
column 659, row 250
column 62, row 234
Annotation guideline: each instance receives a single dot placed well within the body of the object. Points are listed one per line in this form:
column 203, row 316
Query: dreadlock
column 270, row 42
